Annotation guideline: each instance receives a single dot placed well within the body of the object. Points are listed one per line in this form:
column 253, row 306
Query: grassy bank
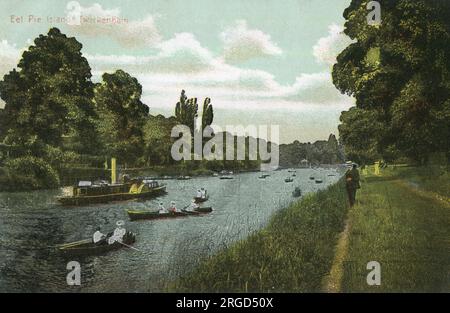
column 293, row 252
column 401, row 223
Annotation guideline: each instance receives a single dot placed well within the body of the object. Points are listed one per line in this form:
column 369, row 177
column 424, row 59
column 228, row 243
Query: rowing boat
column 88, row 247
column 297, row 192
column 200, row 210
column 152, row 215
column 200, row 199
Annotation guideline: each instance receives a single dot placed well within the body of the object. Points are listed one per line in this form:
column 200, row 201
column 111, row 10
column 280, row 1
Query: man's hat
column 120, row 223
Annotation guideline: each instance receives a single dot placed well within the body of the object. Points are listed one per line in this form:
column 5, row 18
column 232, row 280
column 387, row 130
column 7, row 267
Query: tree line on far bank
column 399, row 74
column 55, row 117
column 305, row 154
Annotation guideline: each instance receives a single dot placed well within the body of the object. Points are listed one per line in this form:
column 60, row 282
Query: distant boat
column 226, row 177
column 318, row 181
column 200, row 199
column 311, row 177
column 183, row 177
column 263, row 176
column 289, row 180
column 297, row 192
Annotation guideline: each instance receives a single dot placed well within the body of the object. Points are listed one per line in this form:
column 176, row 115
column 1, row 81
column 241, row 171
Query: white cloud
column 242, row 43
column 327, row 48
column 127, row 33
column 314, row 88
column 9, row 57
column 180, row 54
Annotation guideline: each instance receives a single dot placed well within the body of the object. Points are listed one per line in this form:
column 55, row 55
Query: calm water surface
column 32, row 223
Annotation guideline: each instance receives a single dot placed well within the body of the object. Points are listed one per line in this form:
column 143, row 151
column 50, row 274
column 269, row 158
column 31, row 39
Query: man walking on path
column 352, row 183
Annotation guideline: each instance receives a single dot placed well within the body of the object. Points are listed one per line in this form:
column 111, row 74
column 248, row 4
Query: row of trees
column 56, row 117
column 320, row 152
column 398, row 72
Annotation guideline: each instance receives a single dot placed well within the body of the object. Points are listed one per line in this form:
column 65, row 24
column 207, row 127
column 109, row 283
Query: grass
column 401, row 220
column 292, row 253
column 401, row 224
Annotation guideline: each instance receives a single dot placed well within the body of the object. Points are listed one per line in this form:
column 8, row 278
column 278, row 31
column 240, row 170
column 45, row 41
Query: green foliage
column 320, row 152
column 122, row 116
column 186, row 111
column 158, row 141
column 40, row 174
column 398, row 72
column 207, row 113
column 50, row 94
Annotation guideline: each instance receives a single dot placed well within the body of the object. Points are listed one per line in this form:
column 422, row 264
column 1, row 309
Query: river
column 32, row 223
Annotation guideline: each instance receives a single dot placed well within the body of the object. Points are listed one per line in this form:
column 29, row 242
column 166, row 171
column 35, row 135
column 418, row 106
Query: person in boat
column 203, row 193
column 352, row 183
column 173, row 208
column 199, row 194
column 192, row 207
column 98, row 237
column 162, row 209
column 118, row 233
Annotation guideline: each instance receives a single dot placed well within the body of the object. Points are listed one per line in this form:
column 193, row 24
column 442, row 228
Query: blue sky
column 260, row 61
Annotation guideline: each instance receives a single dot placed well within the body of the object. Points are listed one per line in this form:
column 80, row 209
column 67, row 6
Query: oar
column 69, row 244
column 128, row 246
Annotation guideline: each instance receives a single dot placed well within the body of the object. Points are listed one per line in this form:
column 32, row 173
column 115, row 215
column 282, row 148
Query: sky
column 262, row 62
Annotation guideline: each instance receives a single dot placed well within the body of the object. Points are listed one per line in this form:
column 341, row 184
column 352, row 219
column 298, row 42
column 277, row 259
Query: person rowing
column 199, row 194
column 192, row 207
column 118, row 233
column 173, row 208
column 162, row 209
column 98, row 237
column 203, row 193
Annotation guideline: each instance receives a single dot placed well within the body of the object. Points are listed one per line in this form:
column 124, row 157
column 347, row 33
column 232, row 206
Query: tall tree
column 122, row 116
column 186, row 111
column 399, row 69
column 50, row 95
column 207, row 113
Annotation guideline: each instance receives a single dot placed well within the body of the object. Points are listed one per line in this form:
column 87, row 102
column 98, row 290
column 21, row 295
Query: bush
column 32, row 170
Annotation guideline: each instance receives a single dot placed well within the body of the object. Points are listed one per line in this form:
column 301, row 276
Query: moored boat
column 318, row 181
column 88, row 247
column 86, row 193
column 288, row 180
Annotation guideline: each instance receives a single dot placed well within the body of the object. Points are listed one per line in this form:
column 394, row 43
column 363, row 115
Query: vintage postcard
column 208, row 146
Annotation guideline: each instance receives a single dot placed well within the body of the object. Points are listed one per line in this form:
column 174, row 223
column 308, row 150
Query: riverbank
column 402, row 221
column 292, row 253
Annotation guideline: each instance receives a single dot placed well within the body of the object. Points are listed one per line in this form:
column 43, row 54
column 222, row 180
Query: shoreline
column 302, row 249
